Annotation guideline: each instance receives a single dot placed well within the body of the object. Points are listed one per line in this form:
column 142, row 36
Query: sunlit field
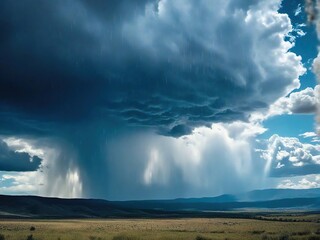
column 195, row 229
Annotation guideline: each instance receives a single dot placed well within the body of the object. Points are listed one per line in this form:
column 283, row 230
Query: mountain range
column 237, row 205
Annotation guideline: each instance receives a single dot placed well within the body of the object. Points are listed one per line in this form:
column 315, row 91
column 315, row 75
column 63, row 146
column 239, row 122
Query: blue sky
column 156, row 99
column 306, row 47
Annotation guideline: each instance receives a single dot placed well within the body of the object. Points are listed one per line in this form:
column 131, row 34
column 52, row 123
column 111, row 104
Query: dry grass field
column 175, row 229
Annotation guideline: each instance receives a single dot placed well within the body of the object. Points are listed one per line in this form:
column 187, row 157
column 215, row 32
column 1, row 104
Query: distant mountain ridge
column 275, row 194
column 258, row 200
column 258, row 195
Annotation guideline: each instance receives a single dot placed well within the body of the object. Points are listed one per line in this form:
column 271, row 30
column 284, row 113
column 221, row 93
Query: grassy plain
column 175, row 229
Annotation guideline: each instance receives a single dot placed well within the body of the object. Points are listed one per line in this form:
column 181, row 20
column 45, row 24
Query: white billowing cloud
column 23, row 145
column 219, row 146
column 201, row 155
column 310, row 181
column 304, row 101
column 287, row 156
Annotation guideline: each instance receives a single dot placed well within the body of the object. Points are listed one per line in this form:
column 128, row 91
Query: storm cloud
column 95, row 80
column 11, row 160
column 166, row 65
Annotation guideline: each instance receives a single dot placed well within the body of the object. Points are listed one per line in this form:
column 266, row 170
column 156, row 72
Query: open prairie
column 135, row 229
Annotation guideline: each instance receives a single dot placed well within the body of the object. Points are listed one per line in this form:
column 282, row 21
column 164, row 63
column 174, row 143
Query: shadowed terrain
column 241, row 205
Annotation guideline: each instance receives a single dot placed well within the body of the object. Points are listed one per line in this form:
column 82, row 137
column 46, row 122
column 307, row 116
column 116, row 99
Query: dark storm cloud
column 71, row 62
column 81, row 76
column 11, row 160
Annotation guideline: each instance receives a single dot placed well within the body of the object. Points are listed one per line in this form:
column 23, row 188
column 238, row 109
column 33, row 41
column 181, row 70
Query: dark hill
column 259, row 200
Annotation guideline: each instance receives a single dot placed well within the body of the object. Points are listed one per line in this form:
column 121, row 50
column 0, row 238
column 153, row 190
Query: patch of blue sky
column 6, row 182
column 306, row 47
column 289, row 125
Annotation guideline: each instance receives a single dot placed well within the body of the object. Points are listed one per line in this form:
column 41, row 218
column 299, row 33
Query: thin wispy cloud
column 298, row 10
column 308, row 134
